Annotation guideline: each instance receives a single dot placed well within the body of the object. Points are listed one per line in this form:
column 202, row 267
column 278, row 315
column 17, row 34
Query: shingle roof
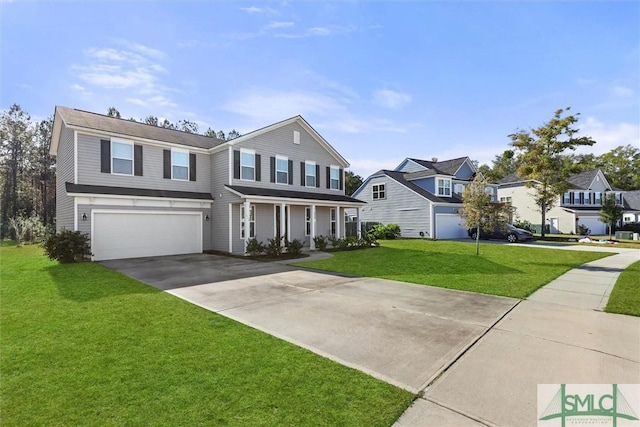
column 399, row 177
column 445, row 167
column 86, row 119
column 290, row 194
column 583, row 180
column 631, row 200
column 128, row 191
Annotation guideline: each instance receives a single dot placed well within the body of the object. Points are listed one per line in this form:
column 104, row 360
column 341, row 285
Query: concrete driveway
column 401, row 333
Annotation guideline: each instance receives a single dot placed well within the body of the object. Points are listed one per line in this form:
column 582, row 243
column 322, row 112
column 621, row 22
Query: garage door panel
column 596, row 226
column 138, row 234
column 450, row 227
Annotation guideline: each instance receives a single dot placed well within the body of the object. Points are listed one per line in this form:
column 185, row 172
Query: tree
column 622, row 167
column 540, row 155
column 44, row 177
column 351, row 182
column 151, row 120
column 220, row 135
column 112, row 112
column 611, row 212
column 479, row 212
column 502, row 165
column 188, row 126
column 233, row 134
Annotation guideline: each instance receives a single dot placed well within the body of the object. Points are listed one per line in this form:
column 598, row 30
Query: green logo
column 585, row 404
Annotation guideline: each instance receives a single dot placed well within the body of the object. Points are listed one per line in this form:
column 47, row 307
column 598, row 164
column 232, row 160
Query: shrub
column 386, row 232
column 582, row 230
column 254, row 247
column 67, row 246
column 334, row 241
column 320, row 242
column 631, row 226
column 274, row 247
column 294, row 247
column 340, row 244
column 524, row 224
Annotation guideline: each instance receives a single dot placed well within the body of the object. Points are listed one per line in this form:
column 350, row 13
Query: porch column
column 312, row 243
column 247, row 230
column 358, row 226
column 338, row 234
column 283, row 223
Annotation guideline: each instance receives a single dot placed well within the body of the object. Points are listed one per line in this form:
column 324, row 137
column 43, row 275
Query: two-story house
column 423, row 197
column 141, row 190
column 580, row 205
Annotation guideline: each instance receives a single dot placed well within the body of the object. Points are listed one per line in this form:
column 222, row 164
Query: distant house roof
column 100, row 122
column 512, row 178
column 632, row 200
column 141, row 192
column 583, row 180
column 445, row 167
column 400, row 178
column 290, row 194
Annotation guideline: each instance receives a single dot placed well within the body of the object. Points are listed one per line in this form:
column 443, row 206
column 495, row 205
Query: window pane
column 123, row 151
column 282, row 165
column 122, row 166
column 180, row 172
column 247, row 159
column 247, row 173
column 311, row 181
column 335, row 173
column 180, row 159
column 282, row 178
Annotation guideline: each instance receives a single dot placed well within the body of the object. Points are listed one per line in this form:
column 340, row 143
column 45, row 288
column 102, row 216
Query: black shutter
column 290, row 172
column 192, row 167
column 236, row 164
column 166, row 157
column 137, row 160
column 302, row 174
column 272, row 163
column 105, row 156
column 340, row 172
column 318, row 176
column 258, row 167
column 328, row 177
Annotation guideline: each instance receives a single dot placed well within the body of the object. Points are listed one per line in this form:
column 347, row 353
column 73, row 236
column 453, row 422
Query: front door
column 286, row 222
column 553, row 226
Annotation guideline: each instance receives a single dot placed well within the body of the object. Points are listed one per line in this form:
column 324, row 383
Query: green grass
column 505, row 270
column 625, row 297
column 83, row 345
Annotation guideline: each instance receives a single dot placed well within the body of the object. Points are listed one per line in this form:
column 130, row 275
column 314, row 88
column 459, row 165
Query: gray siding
column 64, row 174
column 85, row 226
column 152, row 166
column 401, row 206
column 408, row 166
column 428, row 184
column 280, row 142
column 465, row 171
column 219, row 166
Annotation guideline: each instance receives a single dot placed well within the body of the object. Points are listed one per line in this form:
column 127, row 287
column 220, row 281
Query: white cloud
column 391, row 99
column 622, row 91
column 279, row 24
column 608, row 135
column 321, row 31
column 255, row 9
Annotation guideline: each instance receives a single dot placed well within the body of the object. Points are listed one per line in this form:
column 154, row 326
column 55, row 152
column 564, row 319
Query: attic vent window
column 296, row 137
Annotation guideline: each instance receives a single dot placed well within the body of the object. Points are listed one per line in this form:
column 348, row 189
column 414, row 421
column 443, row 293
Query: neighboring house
column 580, row 205
column 422, row 197
column 631, row 206
column 142, row 190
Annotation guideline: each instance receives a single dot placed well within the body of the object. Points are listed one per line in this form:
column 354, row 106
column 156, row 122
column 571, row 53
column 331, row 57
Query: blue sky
column 381, row 81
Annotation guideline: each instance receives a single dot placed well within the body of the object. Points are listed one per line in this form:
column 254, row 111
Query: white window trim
column 374, row 191
column 458, row 185
column 251, row 208
column 315, row 180
column 438, row 186
column 331, row 169
column 123, row 142
column 307, row 220
column 332, row 221
column 286, row 160
column 178, row 150
column 253, row 153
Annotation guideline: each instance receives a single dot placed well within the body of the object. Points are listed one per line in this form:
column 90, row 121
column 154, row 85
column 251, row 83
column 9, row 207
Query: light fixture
column 84, row 216
column 206, row 217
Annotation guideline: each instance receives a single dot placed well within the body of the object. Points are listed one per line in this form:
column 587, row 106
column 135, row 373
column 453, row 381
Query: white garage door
column 597, row 227
column 449, row 226
column 132, row 234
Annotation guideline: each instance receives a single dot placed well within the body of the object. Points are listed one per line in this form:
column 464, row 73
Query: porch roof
column 290, row 195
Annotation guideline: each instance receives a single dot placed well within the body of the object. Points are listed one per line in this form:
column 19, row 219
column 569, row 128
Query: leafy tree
column 44, row 177
column 622, row 167
column 540, row 157
column 502, row 165
column 210, row 133
column 151, row 120
column 351, row 182
column 233, row 134
column 168, row 125
column 479, row 212
column 220, row 135
column 113, row 112
column 188, row 126
column 611, row 212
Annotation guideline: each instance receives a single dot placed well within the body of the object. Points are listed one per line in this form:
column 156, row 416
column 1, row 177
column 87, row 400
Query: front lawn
column 625, row 297
column 500, row 269
column 83, row 345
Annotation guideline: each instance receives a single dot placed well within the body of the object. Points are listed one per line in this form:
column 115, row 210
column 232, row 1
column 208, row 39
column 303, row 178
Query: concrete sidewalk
column 555, row 337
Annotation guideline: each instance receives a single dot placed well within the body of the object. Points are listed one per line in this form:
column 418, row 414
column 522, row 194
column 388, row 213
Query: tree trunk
column 543, row 207
column 478, row 240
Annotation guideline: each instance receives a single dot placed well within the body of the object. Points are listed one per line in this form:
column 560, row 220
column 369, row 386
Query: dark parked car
column 510, row 233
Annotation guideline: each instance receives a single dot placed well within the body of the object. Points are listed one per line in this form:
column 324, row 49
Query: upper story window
column 310, row 174
column 619, row 198
column 458, row 189
column 566, row 199
column 379, row 191
column 122, row 157
column 335, row 178
column 282, row 170
column 506, row 200
column 586, row 197
column 444, row 187
column 598, row 198
column 247, row 165
column 180, row 164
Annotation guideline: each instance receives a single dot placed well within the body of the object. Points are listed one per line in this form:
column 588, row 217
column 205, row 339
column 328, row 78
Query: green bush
column 254, row 247
column 385, row 232
column 67, row 246
column 583, row 230
column 320, row 242
column 524, row 224
column 294, row 247
column 274, row 247
column 631, row 226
